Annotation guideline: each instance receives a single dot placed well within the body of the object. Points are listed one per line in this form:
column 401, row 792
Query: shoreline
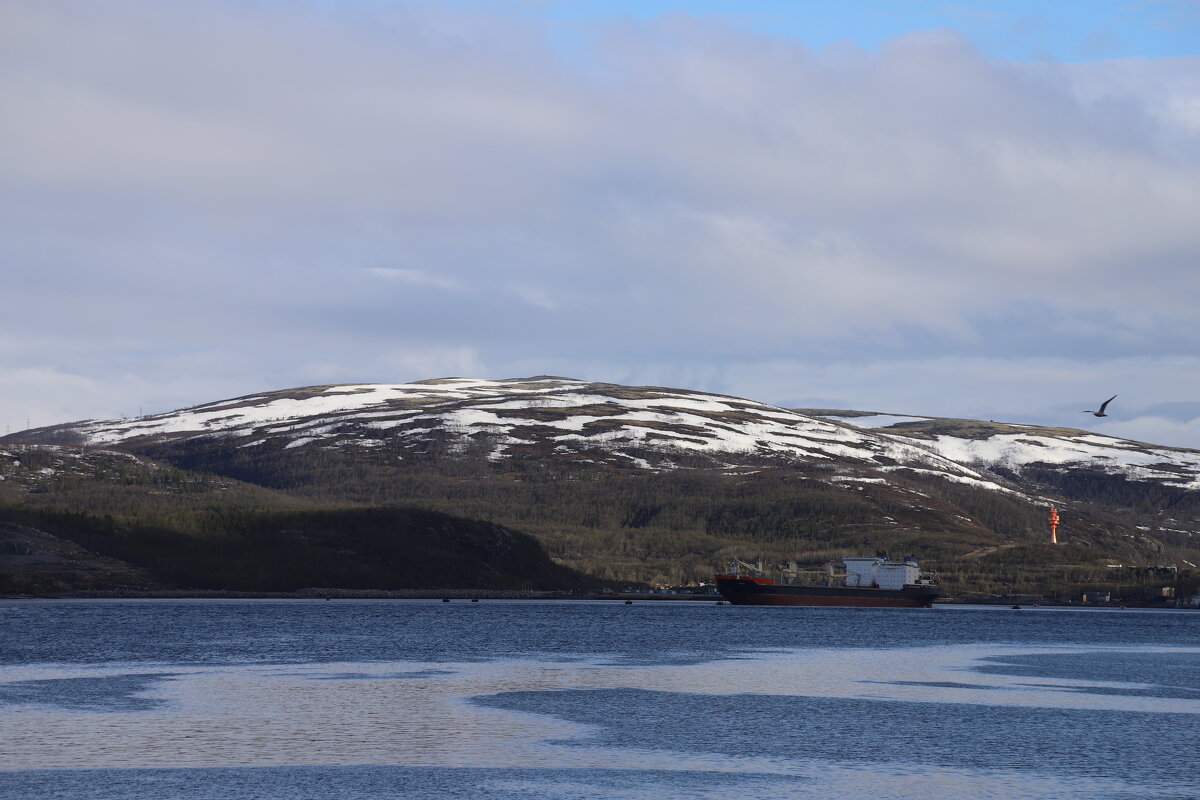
column 358, row 594
column 476, row 595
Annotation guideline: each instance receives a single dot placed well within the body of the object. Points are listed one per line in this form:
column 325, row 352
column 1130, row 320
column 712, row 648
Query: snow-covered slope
column 1006, row 446
column 563, row 419
column 642, row 427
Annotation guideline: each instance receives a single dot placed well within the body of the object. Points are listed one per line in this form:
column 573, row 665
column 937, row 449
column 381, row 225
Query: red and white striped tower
column 1053, row 526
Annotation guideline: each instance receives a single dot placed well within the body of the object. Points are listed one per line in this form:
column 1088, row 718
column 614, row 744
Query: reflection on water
column 390, row 783
column 119, row 692
column 886, row 736
column 821, row 782
column 969, row 719
column 803, row 713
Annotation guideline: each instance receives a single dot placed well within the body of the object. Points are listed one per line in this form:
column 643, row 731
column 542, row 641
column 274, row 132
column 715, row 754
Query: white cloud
column 34, row 397
column 899, row 229
column 417, row 277
column 1157, row 430
column 430, row 361
column 536, row 297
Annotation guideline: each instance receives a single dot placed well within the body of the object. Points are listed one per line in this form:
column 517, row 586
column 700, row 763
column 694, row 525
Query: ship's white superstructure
column 880, row 573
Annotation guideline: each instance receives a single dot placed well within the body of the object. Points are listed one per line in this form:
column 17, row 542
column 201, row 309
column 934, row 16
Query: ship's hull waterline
column 747, row 591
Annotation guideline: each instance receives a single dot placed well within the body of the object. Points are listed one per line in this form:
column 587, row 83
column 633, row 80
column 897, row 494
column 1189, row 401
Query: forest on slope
column 301, row 518
column 79, row 520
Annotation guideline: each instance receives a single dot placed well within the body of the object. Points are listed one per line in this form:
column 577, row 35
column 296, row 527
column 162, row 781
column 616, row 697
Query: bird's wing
column 1104, row 405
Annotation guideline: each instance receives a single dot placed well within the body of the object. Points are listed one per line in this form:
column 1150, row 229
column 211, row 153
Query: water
column 117, row 700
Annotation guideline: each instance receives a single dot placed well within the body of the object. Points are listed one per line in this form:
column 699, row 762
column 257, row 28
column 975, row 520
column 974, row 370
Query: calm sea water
column 228, row 700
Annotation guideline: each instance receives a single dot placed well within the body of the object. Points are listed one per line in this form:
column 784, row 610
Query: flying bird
column 1103, row 406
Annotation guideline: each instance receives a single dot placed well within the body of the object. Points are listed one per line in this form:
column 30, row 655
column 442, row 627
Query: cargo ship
column 873, row 581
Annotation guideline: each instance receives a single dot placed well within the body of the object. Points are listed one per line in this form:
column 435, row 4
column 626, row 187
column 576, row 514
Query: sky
column 972, row 209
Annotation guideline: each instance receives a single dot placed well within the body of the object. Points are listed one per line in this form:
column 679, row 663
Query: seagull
column 1103, row 406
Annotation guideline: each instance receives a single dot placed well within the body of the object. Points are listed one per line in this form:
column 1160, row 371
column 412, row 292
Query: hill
column 651, row 483
column 100, row 520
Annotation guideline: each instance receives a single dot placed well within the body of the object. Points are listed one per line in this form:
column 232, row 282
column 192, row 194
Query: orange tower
column 1053, row 526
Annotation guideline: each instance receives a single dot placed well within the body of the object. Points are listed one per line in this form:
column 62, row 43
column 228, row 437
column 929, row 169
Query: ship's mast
column 739, row 565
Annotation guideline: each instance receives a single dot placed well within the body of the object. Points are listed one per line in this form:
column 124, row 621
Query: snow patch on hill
column 1135, row 461
column 565, row 415
column 643, row 427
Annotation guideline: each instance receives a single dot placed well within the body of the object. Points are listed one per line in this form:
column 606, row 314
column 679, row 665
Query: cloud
column 34, row 397
column 217, row 178
column 422, row 359
column 1100, row 44
column 417, row 277
column 1157, row 430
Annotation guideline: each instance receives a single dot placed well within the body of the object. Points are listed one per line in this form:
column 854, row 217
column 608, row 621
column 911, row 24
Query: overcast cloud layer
column 202, row 200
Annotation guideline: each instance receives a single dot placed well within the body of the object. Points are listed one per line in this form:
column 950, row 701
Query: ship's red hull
column 750, row 591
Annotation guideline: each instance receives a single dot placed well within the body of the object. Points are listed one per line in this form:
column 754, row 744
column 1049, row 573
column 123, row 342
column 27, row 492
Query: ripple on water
column 679, row 700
